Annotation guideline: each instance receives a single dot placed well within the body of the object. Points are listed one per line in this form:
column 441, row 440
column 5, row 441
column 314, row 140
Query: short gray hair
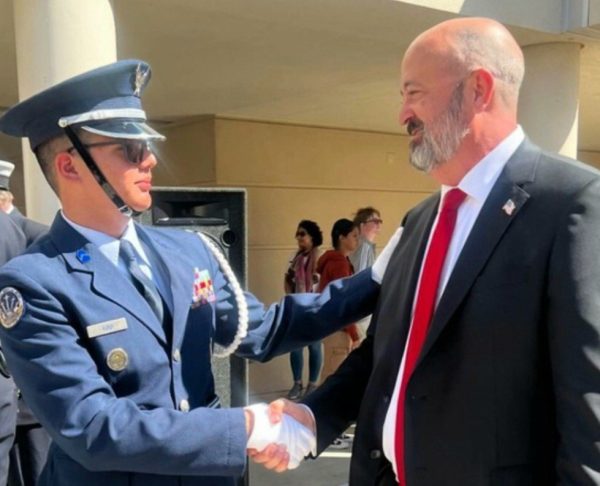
column 489, row 52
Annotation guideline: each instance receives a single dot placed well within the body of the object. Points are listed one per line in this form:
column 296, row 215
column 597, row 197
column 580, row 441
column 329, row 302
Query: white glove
column 298, row 439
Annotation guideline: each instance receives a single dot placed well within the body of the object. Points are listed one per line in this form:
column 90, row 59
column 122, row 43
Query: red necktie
column 424, row 307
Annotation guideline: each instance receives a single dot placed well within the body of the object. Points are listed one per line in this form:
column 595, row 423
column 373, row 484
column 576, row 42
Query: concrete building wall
column 592, row 158
column 544, row 15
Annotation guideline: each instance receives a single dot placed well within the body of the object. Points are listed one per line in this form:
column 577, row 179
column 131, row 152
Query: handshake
column 282, row 434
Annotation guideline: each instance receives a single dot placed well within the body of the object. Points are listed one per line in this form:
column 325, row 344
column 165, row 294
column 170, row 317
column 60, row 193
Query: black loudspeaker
column 219, row 213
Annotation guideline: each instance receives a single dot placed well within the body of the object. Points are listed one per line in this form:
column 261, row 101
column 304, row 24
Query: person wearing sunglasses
column 368, row 221
column 109, row 327
column 301, row 276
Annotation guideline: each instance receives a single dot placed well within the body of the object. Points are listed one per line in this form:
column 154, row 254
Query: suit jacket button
column 176, row 355
column 184, row 405
column 375, row 454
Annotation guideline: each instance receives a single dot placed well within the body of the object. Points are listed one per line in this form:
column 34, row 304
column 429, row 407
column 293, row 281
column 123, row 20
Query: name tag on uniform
column 107, row 327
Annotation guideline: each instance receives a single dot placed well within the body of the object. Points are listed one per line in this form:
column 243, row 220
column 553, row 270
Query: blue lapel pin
column 82, row 255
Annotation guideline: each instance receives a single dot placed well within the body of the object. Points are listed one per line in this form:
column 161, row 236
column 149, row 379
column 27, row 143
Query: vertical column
column 54, row 41
column 549, row 103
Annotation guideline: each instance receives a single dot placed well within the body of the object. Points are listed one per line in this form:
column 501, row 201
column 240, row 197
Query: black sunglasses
column 135, row 151
column 301, row 233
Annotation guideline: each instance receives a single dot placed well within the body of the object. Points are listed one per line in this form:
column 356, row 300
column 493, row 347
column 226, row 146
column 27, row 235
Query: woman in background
column 301, row 276
column 332, row 265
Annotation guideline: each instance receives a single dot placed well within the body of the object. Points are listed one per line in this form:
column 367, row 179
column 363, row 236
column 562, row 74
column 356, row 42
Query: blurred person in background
column 31, row 442
column 332, row 265
column 12, row 243
column 368, row 221
column 30, row 228
column 301, row 277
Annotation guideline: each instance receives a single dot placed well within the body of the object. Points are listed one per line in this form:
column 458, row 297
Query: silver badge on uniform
column 117, row 359
column 11, row 307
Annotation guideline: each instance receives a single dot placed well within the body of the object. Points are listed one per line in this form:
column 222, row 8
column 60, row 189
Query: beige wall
column 188, row 156
column 295, row 172
column 291, row 173
column 592, row 158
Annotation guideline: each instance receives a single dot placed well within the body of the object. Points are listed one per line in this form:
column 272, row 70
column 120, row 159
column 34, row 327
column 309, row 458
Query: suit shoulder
column 566, row 171
column 422, row 207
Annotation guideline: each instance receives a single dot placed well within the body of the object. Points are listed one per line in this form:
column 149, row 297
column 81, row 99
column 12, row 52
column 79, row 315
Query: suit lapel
column 399, row 284
column 502, row 206
column 106, row 280
column 180, row 279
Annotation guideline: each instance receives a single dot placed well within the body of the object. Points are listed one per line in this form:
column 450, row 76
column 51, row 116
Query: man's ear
column 65, row 166
column 483, row 85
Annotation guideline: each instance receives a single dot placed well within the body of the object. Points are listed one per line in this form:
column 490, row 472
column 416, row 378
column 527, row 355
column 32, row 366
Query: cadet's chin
column 141, row 204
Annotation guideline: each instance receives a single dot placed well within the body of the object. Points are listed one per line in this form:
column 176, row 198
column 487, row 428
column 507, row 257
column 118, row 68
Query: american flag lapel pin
column 509, row 207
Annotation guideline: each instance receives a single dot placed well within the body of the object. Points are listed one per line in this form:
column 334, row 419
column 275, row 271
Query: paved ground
column 331, row 469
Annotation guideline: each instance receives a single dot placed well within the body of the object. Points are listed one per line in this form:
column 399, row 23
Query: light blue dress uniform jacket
column 125, row 427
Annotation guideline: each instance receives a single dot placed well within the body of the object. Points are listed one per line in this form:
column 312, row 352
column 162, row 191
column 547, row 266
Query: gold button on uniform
column 117, row 359
column 184, row 405
column 176, row 355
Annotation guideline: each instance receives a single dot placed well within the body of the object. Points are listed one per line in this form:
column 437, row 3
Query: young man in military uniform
column 109, row 327
column 12, row 243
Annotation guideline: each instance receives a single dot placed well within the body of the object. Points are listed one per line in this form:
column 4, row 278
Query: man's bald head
column 465, row 44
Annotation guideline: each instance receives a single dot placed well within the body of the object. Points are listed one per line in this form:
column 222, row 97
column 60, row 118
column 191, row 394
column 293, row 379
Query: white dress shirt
column 477, row 184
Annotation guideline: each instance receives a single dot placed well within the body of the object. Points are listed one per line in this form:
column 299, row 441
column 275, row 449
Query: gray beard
column 442, row 139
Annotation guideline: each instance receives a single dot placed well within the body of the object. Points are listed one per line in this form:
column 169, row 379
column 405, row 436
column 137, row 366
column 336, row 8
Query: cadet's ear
column 65, row 166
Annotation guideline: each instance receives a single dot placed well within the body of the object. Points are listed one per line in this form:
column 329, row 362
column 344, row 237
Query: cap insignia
column 141, row 78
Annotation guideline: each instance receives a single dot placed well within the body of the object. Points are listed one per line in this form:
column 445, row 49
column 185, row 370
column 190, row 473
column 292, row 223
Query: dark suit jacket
column 30, row 228
column 506, row 390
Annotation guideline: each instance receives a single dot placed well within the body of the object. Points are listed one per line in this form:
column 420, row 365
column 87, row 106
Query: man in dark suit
column 504, row 388
column 12, row 243
column 30, row 228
